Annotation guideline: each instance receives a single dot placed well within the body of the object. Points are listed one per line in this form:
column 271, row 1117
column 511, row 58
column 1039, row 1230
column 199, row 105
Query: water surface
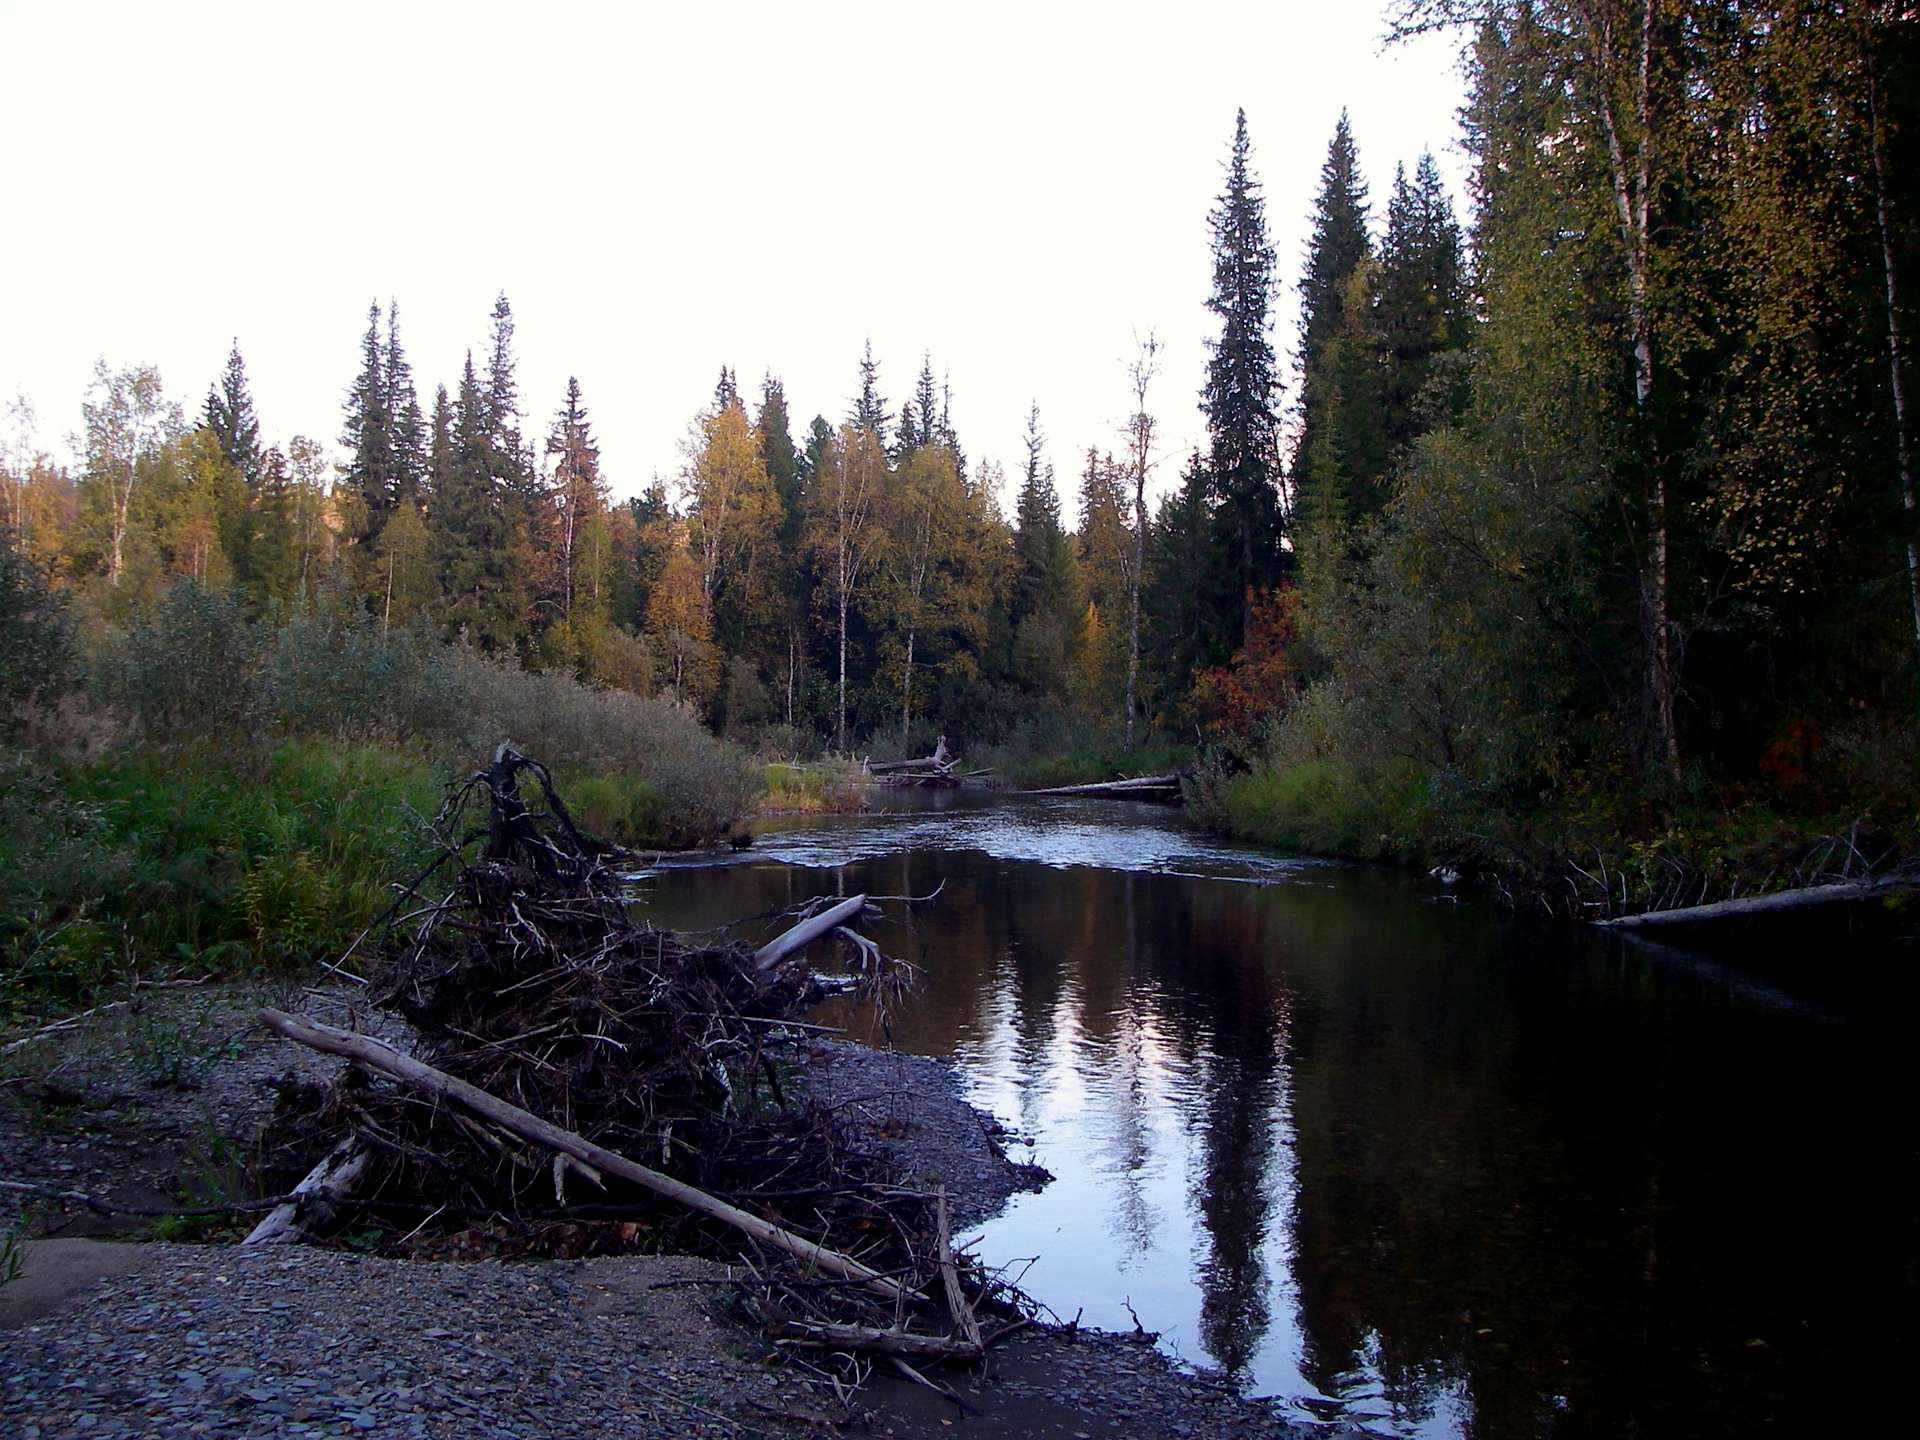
column 1399, row 1160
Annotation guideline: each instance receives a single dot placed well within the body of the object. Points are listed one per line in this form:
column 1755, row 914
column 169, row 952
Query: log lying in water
column 371, row 1054
column 1141, row 784
column 1841, row 893
column 807, row 931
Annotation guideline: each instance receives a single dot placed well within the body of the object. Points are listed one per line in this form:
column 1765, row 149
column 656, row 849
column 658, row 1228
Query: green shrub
column 36, row 641
column 622, row 808
column 185, row 670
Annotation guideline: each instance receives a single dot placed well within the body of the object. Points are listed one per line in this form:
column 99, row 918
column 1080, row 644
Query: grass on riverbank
column 1654, row 844
column 197, row 789
column 821, row 788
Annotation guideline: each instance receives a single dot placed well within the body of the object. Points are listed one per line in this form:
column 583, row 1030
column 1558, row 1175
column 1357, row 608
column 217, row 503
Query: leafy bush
column 36, row 642
column 185, row 669
column 350, row 679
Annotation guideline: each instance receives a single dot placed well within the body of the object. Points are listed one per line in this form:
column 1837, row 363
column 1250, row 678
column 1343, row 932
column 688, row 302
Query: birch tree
column 1140, row 425
column 844, row 533
column 126, row 417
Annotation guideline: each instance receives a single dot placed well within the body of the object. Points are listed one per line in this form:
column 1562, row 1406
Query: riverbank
column 1589, row 852
column 117, row 1328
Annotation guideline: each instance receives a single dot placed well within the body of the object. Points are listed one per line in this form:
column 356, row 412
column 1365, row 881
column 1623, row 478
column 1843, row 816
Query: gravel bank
column 169, row 1340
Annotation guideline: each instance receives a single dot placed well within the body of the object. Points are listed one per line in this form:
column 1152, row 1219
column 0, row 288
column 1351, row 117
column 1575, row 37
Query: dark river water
column 1401, row 1161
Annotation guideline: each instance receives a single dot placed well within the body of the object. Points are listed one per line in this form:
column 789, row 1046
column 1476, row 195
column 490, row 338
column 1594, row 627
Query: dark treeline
column 1608, row 491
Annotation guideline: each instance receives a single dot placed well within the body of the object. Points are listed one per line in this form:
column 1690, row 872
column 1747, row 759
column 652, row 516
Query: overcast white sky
column 664, row 189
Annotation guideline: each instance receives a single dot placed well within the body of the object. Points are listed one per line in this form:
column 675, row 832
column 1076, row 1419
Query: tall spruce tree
column 1241, row 386
column 1337, row 247
column 919, row 420
column 869, row 411
column 410, row 478
column 577, row 497
column 230, row 415
column 470, row 527
column 367, row 434
column 1423, row 306
column 1042, row 558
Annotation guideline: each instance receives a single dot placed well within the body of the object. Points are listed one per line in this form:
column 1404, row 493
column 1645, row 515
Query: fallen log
column 1115, row 787
column 315, row 1199
column 888, row 767
column 866, row 1337
column 1840, row 893
column 371, row 1054
column 807, row 931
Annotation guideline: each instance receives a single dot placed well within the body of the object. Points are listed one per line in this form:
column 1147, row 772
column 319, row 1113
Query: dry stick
column 950, row 1276
column 71, row 1021
column 371, row 1054
column 812, row 928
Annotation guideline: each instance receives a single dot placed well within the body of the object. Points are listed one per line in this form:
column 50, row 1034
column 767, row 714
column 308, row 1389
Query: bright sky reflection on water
column 1399, row 1161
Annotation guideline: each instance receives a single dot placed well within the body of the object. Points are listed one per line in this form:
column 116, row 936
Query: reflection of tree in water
column 1130, row 1144
column 1239, row 1144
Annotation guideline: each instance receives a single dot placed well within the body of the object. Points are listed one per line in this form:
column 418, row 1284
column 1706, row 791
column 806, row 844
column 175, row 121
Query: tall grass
column 204, row 863
column 207, row 791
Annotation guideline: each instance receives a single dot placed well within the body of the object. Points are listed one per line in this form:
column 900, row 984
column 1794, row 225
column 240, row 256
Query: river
column 1389, row 1155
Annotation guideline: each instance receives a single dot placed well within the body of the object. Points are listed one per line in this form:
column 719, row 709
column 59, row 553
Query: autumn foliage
column 1235, row 701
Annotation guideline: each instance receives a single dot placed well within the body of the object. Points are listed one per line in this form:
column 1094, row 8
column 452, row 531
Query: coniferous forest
column 1582, row 519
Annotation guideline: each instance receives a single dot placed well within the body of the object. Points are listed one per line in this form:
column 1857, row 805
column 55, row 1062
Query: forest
column 1581, row 522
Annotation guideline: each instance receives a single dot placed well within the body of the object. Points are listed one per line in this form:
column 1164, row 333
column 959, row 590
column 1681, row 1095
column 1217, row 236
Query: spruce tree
column 367, row 434
column 1241, row 384
column 1041, row 556
column 1423, row 308
column 919, row 420
column 230, row 415
column 726, row 390
column 577, row 496
column 869, row 411
column 470, row 530
column 1338, row 246
column 403, row 408
column 514, row 479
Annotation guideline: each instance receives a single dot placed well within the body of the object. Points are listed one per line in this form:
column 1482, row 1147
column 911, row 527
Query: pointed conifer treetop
column 410, row 478
column 367, row 434
column 1338, row 244
column 869, row 411
column 231, row 417
column 726, row 390
column 1242, row 381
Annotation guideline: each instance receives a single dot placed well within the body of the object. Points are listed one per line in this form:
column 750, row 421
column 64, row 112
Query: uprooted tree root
column 574, row 1066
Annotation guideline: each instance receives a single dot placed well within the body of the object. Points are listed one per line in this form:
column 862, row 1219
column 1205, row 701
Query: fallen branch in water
column 1846, row 892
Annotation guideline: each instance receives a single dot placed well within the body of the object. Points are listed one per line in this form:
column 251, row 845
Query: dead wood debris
column 584, row 1082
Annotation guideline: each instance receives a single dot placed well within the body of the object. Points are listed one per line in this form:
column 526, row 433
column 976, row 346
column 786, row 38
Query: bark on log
column 808, row 930
column 312, row 1202
column 371, row 1054
column 1845, row 892
column 950, row 1277
column 887, row 1342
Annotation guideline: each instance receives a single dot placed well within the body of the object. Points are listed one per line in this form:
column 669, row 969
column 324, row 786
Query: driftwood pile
column 574, row 1065
column 938, row 771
